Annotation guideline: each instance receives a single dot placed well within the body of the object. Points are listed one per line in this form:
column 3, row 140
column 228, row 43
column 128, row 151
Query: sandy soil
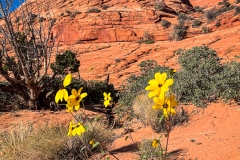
column 210, row 133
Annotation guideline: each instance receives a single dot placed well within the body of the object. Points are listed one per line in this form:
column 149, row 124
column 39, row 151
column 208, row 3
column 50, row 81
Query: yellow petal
column 80, row 90
column 77, row 107
column 157, row 76
column 67, row 80
column 106, row 103
column 83, row 95
column 61, row 94
column 153, row 84
column 82, row 129
column 57, row 97
column 74, row 92
column 158, row 101
column 104, row 94
column 162, row 78
column 65, row 94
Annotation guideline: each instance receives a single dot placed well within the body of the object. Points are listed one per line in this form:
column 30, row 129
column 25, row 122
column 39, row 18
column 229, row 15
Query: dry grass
column 51, row 142
column 142, row 107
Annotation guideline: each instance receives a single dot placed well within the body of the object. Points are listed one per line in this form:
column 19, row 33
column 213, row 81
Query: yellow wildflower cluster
column 76, row 129
column 159, row 91
column 73, row 103
column 107, row 99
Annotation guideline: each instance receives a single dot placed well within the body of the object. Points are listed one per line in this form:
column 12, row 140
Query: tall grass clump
column 51, row 142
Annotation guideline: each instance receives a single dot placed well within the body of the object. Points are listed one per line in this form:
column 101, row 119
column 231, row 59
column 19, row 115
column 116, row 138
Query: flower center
column 77, row 98
column 159, row 85
column 165, row 105
column 61, row 87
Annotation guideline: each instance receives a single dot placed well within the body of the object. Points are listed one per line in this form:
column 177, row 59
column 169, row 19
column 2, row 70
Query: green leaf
column 108, row 158
column 102, row 152
column 82, row 149
column 95, row 144
column 161, row 118
column 126, row 138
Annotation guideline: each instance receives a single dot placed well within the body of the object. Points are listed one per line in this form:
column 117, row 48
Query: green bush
column 198, row 9
column 165, row 23
column 237, row 10
column 179, row 31
column 211, row 15
column 93, row 10
column 183, row 17
column 105, row 7
column 228, row 82
column 224, row 3
column 203, row 79
column 196, row 23
column 159, row 6
column 206, row 30
column 224, row 9
column 218, row 24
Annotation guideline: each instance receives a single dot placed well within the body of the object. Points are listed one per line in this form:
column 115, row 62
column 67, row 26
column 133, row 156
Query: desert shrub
column 218, row 24
column 228, row 83
column 224, row 3
column 179, row 31
column 68, row 12
column 93, row 10
column 198, row 9
column 183, row 17
column 225, row 9
column 94, row 88
column 196, row 23
column 73, row 14
column 147, row 38
column 237, row 10
column 195, row 82
column 159, row 5
column 41, row 19
column 5, row 100
column 135, row 85
column 105, row 7
column 206, row 30
column 146, row 151
column 178, row 51
column 211, row 15
column 165, row 23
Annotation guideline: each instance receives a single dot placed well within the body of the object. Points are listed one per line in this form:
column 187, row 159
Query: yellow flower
column 70, row 129
column 166, row 104
column 107, row 99
column 92, row 142
column 76, row 129
column 75, row 99
column 69, row 108
column 172, row 71
column 62, row 92
column 159, row 85
column 155, row 143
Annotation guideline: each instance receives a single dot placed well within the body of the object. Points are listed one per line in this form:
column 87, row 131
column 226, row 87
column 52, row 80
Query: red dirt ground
column 210, row 133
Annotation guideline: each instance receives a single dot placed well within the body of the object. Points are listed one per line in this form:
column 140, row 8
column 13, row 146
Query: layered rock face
column 116, row 20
